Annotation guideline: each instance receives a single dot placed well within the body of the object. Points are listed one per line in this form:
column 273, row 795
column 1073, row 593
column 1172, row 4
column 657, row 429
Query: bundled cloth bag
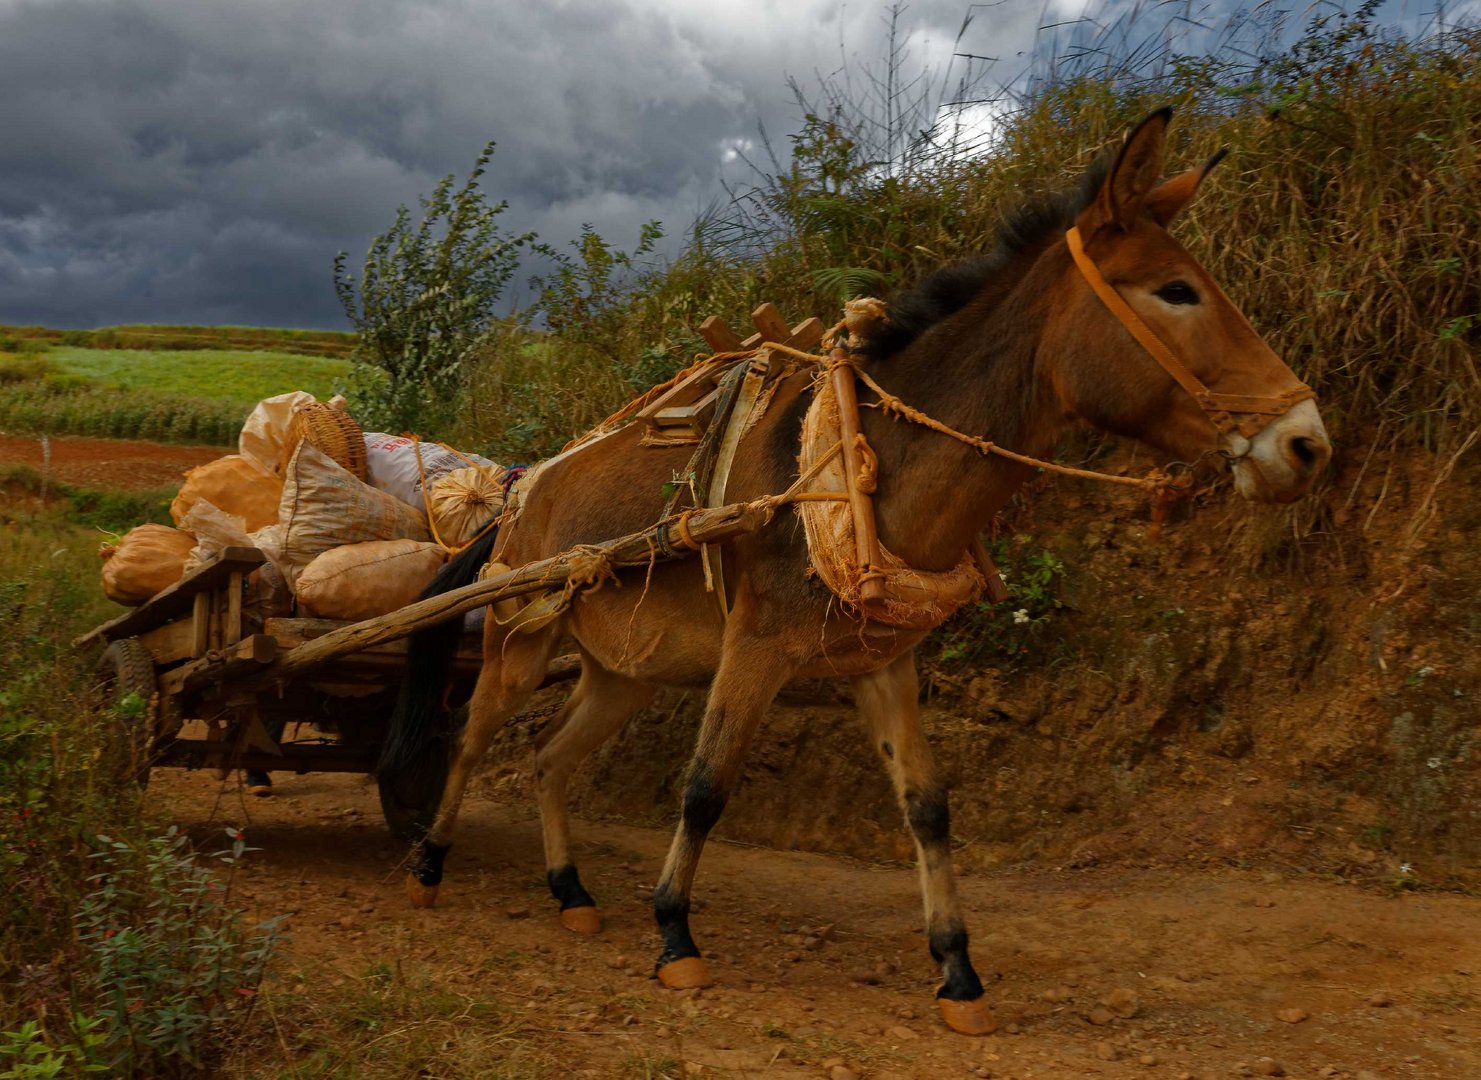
column 407, row 467
column 146, row 561
column 213, row 529
column 234, row 485
column 361, row 581
column 464, row 501
column 269, row 428
column 323, row 507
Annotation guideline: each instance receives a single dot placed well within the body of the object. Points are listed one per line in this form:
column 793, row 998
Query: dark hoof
column 968, row 1017
column 689, row 973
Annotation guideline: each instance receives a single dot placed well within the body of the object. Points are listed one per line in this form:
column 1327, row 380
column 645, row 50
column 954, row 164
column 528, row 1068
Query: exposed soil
column 821, row 962
column 1223, row 779
column 106, row 463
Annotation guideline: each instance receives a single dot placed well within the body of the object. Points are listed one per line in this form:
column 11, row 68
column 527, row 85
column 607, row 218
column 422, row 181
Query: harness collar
column 1254, row 412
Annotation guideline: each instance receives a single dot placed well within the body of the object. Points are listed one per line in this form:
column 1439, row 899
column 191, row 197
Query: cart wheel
column 127, row 671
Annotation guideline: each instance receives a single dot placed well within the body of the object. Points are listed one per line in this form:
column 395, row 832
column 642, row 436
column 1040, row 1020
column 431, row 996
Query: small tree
column 424, row 301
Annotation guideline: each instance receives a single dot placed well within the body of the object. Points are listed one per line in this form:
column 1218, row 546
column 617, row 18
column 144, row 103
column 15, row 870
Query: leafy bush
column 1002, row 633
column 170, row 962
column 425, row 299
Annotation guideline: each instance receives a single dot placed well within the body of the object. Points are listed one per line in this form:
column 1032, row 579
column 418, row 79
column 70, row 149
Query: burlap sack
column 324, row 507
column 361, row 581
column 915, row 599
column 232, row 484
column 268, row 596
column 148, row 560
column 267, row 431
column 464, row 501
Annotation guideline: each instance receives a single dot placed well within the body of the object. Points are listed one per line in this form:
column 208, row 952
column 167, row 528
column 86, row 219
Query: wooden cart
column 189, row 654
column 223, row 692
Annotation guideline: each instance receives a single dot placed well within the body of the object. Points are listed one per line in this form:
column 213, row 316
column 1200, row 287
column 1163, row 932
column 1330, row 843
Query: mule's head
column 1239, row 399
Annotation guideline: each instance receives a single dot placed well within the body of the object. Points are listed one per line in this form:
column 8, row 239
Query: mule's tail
column 419, row 719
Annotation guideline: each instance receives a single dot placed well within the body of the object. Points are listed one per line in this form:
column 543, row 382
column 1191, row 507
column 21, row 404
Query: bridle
column 1245, row 414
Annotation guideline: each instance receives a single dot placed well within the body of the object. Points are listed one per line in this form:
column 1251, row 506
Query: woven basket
column 332, row 431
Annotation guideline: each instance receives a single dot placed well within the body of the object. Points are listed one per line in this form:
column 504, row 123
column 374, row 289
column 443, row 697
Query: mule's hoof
column 421, row 896
column 968, row 1017
column 582, row 920
column 261, row 791
column 686, row 974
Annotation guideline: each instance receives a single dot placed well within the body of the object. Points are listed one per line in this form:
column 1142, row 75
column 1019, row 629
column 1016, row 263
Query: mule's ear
column 1137, row 169
column 1167, row 199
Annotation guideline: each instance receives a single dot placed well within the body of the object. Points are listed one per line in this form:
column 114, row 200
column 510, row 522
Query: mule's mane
column 1021, row 234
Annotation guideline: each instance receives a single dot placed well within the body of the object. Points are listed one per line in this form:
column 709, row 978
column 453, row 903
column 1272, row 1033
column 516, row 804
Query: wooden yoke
column 872, row 584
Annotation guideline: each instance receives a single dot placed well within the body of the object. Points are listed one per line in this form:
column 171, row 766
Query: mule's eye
column 1177, row 292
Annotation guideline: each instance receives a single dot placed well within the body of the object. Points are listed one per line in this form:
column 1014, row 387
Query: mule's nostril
column 1307, row 453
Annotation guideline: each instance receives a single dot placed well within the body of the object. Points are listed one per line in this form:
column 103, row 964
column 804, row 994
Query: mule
column 1015, row 346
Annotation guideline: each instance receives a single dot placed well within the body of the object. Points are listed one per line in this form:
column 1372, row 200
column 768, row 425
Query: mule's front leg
column 749, row 676
column 889, row 703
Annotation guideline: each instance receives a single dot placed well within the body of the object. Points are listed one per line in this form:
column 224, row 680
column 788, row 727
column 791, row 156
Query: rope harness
column 838, row 470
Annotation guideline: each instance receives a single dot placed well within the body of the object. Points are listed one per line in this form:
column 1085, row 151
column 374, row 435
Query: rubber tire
column 127, row 667
column 410, row 805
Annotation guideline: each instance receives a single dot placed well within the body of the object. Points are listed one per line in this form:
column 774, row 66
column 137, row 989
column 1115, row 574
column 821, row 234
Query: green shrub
column 170, row 962
column 23, row 369
column 425, row 299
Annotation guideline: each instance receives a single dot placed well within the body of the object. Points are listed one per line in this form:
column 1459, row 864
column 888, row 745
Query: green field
column 208, row 374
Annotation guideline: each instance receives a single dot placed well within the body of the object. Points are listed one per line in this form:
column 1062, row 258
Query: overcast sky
column 202, row 161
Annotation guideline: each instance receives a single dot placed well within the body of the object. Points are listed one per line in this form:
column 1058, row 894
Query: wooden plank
column 807, row 334
column 221, row 666
column 169, row 644
column 769, row 321
column 178, row 599
column 200, row 624
column 696, row 415
column 718, row 335
column 684, row 391
column 291, row 633
column 231, row 631
column 710, row 526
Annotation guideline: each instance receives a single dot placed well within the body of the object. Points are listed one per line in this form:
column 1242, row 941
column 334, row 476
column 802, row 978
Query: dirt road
column 822, row 966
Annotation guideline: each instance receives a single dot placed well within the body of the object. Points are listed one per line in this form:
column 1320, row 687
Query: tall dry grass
column 1344, row 222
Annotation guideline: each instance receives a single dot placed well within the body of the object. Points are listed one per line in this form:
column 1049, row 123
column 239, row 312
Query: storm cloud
column 202, row 161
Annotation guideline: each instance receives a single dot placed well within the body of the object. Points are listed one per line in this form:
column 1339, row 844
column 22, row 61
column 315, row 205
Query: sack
column 464, row 501
column 324, row 507
column 232, row 484
column 213, row 530
column 148, row 560
column 391, row 465
column 268, row 596
column 360, row 581
column 267, row 431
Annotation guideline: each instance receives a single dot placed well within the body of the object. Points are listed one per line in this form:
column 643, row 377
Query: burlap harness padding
column 916, row 599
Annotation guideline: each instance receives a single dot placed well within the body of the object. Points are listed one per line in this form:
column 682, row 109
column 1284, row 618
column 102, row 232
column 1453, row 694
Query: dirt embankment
column 1290, row 688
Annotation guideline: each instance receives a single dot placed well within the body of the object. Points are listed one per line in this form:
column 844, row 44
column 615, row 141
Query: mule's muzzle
column 1281, row 463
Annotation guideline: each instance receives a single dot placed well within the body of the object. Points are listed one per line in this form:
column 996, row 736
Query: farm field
column 241, row 377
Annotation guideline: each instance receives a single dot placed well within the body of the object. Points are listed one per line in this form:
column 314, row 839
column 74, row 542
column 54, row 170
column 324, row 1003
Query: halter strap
column 1255, row 411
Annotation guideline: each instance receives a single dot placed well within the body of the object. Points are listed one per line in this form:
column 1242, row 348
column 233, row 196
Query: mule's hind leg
column 750, row 673
column 888, row 702
column 512, row 671
column 601, row 703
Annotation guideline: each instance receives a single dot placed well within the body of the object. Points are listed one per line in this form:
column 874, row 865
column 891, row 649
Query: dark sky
column 202, row 161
